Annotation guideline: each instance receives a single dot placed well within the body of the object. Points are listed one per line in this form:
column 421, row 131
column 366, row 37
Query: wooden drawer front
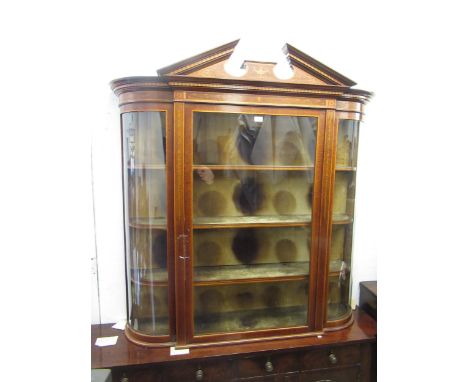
column 257, row 366
column 349, row 374
column 317, row 359
column 213, row 371
column 289, row 377
column 138, row 375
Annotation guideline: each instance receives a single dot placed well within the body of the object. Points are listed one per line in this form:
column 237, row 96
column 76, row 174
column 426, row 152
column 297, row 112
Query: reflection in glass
column 338, row 297
column 149, row 309
column 252, row 306
column 149, row 255
column 339, row 282
column 347, row 144
column 242, row 253
column 245, row 195
column 344, row 193
column 244, row 139
column 144, row 135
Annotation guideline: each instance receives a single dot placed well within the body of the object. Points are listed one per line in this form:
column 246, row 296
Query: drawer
column 267, row 365
column 289, row 377
column 331, row 357
column 349, row 374
column 137, row 375
column 212, row 371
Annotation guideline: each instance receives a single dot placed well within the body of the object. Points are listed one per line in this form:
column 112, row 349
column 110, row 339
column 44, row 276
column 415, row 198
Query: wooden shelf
column 251, row 167
column 148, row 223
column 153, row 277
column 251, row 320
column 251, row 221
column 342, row 219
column 159, row 326
column 345, row 168
column 335, row 311
column 262, row 221
column 147, row 167
column 236, row 274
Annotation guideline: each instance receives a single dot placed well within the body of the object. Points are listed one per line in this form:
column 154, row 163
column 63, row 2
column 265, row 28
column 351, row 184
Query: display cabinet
column 239, row 200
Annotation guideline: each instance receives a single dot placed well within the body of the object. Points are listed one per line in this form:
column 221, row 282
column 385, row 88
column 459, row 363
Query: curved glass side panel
column 144, row 147
column 339, row 280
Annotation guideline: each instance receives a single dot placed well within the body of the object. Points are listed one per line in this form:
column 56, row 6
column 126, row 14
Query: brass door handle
column 268, row 366
column 199, row 375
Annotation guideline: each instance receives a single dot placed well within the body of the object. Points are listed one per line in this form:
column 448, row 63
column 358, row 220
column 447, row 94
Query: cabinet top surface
column 125, row 353
column 208, row 69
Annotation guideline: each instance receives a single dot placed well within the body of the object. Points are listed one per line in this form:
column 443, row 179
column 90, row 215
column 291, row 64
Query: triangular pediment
column 211, row 64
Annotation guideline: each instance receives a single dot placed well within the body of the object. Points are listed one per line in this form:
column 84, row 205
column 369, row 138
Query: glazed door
column 250, row 213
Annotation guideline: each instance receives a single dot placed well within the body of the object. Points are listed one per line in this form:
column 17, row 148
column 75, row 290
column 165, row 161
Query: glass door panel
column 251, row 306
column 144, row 135
column 250, row 253
column 252, row 205
column 248, row 139
column 343, row 215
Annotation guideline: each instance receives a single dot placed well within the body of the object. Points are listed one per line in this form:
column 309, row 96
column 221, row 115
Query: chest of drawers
column 342, row 356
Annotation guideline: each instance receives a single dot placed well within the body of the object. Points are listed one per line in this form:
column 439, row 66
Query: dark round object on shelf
column 244, row 299
column 159, row 249
column 284, row 202
column 245, row 245
column 271, row 296
column 208, row 253
column 211, row 300
column 286, row 250
column 248, row 196
column 212, row 203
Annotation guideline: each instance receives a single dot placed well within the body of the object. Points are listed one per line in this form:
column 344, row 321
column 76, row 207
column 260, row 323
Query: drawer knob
column 333, row 359
column 268, row 366
column 199, row 375
column 124, row 378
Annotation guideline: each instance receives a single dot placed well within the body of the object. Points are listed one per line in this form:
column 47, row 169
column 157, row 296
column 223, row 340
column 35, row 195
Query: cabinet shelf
column 154, row 277
column 147, row 167
column 251, row 167
column 342, row 219
column 345, row 168
column 251, row 319
column 262, row 221
column 249, row 273
column 148, row 223
column 251, row 221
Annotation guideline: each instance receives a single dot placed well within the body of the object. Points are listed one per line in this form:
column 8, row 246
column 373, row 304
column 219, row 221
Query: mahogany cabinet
column 239, row 205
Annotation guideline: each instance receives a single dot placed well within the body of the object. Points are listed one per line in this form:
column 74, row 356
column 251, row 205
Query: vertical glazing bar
column 179, row 250
column 326, row 215
column 315, row 234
